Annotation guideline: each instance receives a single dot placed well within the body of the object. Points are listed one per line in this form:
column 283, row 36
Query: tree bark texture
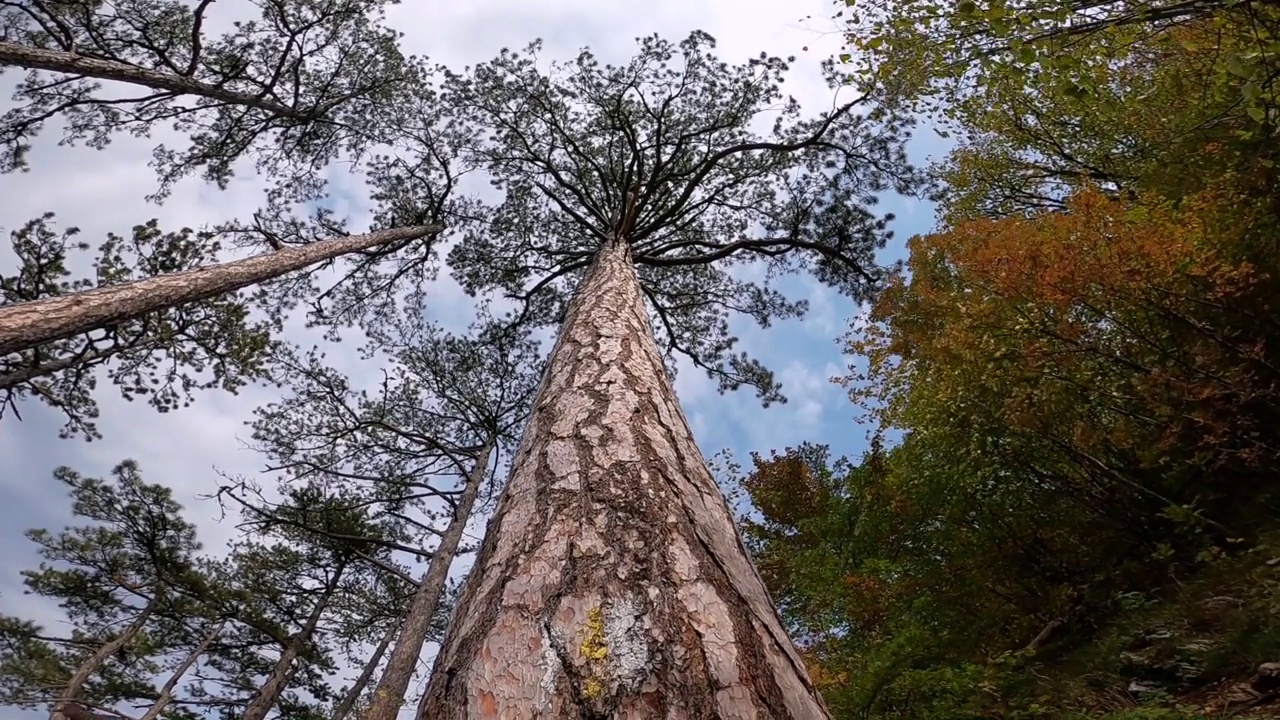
column 70, row 63
column 270, row 691
column 612, row 582
column 389, row 697
column 28, row 324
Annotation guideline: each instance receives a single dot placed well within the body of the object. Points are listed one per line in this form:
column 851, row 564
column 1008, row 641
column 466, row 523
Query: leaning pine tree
column 612, row 581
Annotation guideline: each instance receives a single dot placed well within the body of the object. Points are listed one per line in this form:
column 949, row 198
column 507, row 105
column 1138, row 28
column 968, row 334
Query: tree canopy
column 305, row 81
column 703, row 167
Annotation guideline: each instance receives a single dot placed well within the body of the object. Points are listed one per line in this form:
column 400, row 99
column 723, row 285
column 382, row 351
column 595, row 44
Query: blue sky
column 102, row 191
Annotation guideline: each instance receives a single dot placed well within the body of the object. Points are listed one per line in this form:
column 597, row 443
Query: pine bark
column 612, row 582
column 389, row 697
column 270, row 691
column 71, row 63
column 28, row 324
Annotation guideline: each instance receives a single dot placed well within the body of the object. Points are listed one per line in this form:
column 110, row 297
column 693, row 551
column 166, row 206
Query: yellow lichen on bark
column 611, row 582
column 594, row 650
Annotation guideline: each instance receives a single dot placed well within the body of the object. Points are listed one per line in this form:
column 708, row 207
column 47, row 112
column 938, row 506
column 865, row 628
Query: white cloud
column 103, row 191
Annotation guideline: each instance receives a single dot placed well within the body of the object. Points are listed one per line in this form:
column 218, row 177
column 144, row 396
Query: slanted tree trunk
column 270, row 691
column 389, row 697
column 70, row 63
column 65, row 707
column 28, row 324
column 166, row 692
column 353, row 695
column 612, row 581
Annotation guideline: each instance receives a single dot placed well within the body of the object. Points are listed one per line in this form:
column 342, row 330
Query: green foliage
column 163, row 357
column 1085, row 390
column 1045, row 95
column 661, row 153
column 129, row 563
column 134, row 576
column 320, row 76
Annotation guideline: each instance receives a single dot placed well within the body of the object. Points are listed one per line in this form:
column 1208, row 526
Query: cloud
column 102, row 191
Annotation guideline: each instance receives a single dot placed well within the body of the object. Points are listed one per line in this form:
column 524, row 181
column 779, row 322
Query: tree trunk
column 166, row 692
column 27, row 374
column 612, row 581
column 75, row 64
column 362, row 682
column 28, row 324
column 270, row 691
column 389, row 697
column 64, row 705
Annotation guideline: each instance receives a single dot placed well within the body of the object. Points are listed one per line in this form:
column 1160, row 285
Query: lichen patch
column 625, row 634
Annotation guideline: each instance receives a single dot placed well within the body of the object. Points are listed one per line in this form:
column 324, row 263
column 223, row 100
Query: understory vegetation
column 1070, row 387
column 1071, row 505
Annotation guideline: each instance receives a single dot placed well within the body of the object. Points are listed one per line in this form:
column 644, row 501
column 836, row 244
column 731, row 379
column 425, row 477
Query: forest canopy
column 1069, row 387
column 1077, row 513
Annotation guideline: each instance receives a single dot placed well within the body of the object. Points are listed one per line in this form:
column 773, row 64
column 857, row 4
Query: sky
column 103, row 191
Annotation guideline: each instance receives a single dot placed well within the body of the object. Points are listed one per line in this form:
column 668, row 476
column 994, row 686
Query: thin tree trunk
column 166, row 692
column 28, row 374
column 389, row 697
column 91, row 664
column 349, row 700
column 612, row 581
column 270, row 691
column 75, row 64
column 28, row 324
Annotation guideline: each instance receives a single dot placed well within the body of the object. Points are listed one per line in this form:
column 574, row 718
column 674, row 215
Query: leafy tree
column 1046, row 96
column 898, row 575
column 427, row 436
column 1128, row 331
column 293, row 88
column 162, row 355
column 943, row 51
column 1164, row 114
column 612, row 560
column 671, row 136
column 118, row 580
column 1086, row 405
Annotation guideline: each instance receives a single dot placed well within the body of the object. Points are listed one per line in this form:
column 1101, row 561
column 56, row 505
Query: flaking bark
column 612, row 582
column 28, row 324
column 389, row 696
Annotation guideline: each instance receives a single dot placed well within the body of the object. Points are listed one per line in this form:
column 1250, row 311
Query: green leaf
column 1257, row 114
column 1236, row 66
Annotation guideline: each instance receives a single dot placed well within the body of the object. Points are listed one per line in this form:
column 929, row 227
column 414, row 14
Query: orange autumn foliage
column 1111, row 337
